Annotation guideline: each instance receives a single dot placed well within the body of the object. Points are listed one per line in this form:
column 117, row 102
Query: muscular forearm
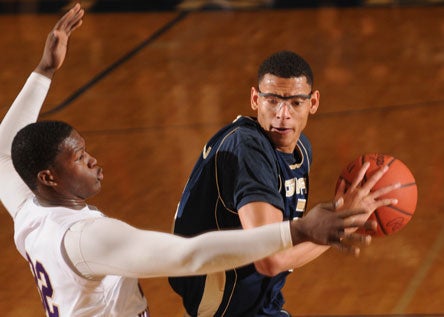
column 307, row 252
column 295, row 257
column 108, row 246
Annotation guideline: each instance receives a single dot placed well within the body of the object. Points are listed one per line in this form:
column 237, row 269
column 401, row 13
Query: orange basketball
column 390, row 218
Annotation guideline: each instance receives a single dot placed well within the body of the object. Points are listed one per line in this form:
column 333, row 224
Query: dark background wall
column 30, row 6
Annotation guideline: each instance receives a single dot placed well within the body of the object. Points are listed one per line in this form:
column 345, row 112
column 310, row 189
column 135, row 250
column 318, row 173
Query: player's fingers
column 71, row 20
column 75, row 21
column 345, row 248
column 370, row 225
column 348, row 243
column 351, row 215
column 341, row 189
column 61, row 23
column 338, row 203
column 353, row 238
column 354, row 221
column 78, row 23
column 357, row 221
column 360, row 176
column 384, row 202
column 375, row 178
column 330, row 205
column 385, row 190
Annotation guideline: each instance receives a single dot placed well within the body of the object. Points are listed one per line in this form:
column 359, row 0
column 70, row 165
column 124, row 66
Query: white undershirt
column 107, row 246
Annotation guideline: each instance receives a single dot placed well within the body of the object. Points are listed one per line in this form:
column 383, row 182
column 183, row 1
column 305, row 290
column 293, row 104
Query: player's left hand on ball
column 359, row 194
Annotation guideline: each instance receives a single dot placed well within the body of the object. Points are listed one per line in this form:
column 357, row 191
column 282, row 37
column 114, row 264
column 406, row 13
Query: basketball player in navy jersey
column 254, row 172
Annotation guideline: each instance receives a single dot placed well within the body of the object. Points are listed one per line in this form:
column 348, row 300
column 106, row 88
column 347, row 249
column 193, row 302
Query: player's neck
column 71, row 203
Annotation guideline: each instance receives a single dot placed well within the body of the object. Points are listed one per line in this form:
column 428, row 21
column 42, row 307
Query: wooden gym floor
column 147, row 89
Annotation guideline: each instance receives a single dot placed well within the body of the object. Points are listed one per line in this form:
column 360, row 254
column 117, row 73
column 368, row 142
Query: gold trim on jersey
column 212, row 295
column 231, row 294
column 297, row 164
column 300, row 147
column 216, row 172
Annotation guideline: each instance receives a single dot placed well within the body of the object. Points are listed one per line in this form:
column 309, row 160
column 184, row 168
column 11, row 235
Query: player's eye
column 80, row 156
column 296, row 102
column 272, row 100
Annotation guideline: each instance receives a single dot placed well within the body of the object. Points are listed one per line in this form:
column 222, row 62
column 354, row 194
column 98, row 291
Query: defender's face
column 283, row 106
column 76, row 172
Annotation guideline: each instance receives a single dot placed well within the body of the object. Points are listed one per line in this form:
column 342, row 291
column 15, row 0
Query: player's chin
column 91, row 192
column 95, row 190
column 284, row 143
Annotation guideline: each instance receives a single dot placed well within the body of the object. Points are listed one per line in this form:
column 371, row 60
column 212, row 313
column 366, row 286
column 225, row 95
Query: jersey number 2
column 44, row 286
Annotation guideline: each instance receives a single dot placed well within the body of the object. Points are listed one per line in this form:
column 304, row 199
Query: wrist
column 45, row 71
column 297, row 231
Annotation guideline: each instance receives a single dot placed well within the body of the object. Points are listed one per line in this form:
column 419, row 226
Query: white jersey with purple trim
column 39, row 233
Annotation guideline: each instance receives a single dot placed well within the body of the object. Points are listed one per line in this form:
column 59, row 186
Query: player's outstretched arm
column 26, row 107
column 132, row 252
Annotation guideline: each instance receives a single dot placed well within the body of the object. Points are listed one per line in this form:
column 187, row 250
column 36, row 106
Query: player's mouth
column 280, row 130
column 100, row 174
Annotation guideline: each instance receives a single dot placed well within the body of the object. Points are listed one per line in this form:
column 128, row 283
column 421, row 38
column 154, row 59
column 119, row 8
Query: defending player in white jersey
column 86, row 264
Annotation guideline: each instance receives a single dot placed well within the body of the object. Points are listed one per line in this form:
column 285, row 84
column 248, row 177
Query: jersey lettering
column 44, row 286
column 301, row 204
column 295, row 186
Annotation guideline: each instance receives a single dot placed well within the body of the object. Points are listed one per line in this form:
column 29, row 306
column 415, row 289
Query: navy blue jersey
column 239, row 165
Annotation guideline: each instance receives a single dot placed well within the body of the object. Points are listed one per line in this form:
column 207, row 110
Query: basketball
column 390, row 219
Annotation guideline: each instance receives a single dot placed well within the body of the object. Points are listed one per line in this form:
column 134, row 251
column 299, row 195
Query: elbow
column 268, row 267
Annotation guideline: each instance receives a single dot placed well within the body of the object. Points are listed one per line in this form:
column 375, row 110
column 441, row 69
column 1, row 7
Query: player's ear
column 314, row 100
column 46, row 178
column 253, row 98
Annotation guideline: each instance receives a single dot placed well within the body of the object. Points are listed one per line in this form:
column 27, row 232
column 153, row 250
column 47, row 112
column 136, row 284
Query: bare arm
column 356, row 197
column 257, row 214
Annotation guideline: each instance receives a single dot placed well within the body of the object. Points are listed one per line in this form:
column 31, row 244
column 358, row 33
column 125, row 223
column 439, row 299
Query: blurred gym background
column 30, row 6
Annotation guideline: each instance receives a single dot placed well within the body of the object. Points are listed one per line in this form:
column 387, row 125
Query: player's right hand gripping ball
column 390, row 218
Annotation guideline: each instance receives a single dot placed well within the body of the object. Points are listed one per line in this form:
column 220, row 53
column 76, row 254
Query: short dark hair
column 35, row 148
column 285, row 64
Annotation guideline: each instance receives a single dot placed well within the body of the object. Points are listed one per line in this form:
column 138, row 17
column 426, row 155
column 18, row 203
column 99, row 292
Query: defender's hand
column 326, row 226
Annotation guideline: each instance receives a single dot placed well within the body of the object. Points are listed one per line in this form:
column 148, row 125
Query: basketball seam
column 391, row 162
column 380, row 224
column 399, row 210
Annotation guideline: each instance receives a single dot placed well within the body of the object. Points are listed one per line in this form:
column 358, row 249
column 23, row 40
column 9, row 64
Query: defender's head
column 50, row 157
